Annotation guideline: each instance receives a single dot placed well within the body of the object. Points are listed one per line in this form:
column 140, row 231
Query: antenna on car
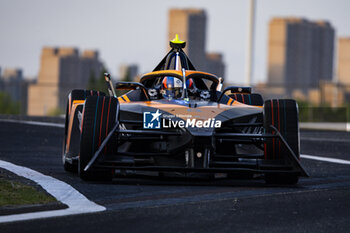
column 177, row 44
column 176, row 47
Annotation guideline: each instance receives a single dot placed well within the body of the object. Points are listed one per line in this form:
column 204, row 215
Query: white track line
column 77, row 203
column 326, row 159
column 33, row 123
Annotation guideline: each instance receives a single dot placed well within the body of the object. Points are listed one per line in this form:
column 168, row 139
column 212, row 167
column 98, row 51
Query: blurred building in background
column 191, row 26
column 344, row 62
column 61, row 70
column 128, row 72
column 13, row 83
column 336, row 92
column 300, row 55
column 215, row 65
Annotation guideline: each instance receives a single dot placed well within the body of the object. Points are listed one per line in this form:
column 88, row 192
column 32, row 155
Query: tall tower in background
column 61, row 70
column 344, row 62
column 300, row 53
column 323, row 38
column 128, row 72
column 191, row 25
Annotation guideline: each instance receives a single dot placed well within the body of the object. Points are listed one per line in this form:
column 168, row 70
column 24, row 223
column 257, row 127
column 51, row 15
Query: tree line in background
column 97, row 83
column 323, row 113
column 8, row 106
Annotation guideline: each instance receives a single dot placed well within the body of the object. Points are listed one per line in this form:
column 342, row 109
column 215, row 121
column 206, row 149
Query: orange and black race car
column 178, row 119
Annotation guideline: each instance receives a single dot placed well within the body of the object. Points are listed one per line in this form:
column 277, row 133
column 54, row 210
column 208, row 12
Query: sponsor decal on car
column 157, row 120
column 151, row 120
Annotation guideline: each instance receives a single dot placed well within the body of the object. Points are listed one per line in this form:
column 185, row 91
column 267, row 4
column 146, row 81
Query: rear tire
column 283, row 115
column 74, row 150
column 99, row 118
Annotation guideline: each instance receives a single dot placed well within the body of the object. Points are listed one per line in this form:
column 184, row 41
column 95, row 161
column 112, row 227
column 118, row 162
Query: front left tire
column 69, row 164
column 100, row 116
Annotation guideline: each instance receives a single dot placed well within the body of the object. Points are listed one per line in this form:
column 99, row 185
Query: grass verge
column 13, row 193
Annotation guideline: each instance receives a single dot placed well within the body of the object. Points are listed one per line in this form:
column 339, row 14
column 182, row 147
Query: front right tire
column 283, row 115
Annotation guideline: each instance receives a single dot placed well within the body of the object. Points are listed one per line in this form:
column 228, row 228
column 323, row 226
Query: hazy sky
column 130, row 31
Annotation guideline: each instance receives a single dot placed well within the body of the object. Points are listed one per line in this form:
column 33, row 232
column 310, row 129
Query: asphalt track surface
column 320, row 203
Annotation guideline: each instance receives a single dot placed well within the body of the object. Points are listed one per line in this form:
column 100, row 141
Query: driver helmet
column 171, row 87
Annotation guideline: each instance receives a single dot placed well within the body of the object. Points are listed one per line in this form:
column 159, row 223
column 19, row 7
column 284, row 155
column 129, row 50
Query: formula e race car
column 178, row 119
